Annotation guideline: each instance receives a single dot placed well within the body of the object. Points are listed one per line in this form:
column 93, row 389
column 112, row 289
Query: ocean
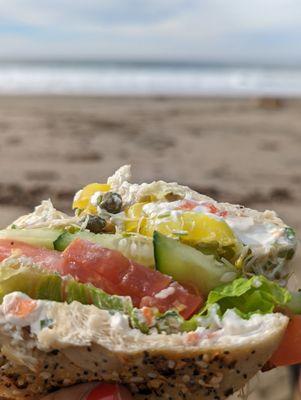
column 147, row 78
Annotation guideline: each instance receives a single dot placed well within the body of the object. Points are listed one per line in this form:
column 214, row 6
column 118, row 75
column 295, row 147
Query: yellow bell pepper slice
column 190, row 227
column 134, row 218
column 83, row 200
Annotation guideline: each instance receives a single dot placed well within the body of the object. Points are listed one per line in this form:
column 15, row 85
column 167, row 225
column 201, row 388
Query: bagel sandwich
column 153, row 286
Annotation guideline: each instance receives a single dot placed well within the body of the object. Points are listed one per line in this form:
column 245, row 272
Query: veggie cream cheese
column 260, row 236
column 230, row 329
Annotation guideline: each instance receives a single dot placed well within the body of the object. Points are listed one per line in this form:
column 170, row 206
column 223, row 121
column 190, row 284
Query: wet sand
column 242, row 151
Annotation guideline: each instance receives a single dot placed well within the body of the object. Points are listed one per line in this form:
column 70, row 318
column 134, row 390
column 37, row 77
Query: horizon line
column 140, row 62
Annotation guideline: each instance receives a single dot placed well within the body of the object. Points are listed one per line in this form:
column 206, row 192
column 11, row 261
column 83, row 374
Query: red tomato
column 289, row 351
column 211, row 208
column 110, row 271
column 107, row 391
column 50, row 259
column 90, row 262
column 187, row 205
column 175, row 296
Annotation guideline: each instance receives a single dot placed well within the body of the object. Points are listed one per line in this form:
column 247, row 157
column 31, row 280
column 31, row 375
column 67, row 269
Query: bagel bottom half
column 86, row 344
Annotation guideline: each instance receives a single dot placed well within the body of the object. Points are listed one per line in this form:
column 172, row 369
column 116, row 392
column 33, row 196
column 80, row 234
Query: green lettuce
column 248, row 296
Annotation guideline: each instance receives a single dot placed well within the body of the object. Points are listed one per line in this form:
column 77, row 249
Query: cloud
column 92, row 12
column 264, row 30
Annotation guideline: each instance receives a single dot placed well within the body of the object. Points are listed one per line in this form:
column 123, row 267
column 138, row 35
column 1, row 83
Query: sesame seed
column 137, row 379
column 216, row 380
column 203, row 364
column 206, row 357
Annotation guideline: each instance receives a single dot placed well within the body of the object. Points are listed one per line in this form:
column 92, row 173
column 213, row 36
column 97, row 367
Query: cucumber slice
column 189, row 266
column 66, row 238
column 134, row 247
column 38, row 237
column 38, row 284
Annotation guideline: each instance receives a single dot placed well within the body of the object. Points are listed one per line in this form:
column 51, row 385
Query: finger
column 78, row 392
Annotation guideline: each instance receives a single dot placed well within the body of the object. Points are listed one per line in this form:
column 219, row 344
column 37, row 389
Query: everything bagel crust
column 86, row 344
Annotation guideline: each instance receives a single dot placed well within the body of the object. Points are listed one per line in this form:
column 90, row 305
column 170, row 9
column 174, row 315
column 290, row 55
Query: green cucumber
column 41, row 285
column 135, row 247
column 189, row 266
column 66, row 238
column 39, row 237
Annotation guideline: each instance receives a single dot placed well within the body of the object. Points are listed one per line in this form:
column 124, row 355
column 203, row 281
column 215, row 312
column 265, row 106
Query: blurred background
column 207, row 93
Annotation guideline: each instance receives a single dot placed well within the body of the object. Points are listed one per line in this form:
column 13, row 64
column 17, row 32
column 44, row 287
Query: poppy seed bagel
column 86, row 344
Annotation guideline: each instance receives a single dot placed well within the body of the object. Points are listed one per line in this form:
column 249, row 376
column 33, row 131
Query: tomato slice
column 50, row 259
column 176, row 297
column 90, row 262
column 289, row 351
column 107, row 391
column 110, row 271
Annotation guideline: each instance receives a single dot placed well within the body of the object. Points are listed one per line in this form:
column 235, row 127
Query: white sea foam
column 98, row 79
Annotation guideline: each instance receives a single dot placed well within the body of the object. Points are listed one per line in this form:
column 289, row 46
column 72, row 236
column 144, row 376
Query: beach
column 244, row 151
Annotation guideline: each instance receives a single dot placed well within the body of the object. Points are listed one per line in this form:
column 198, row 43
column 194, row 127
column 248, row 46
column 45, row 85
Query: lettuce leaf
column 248, row 296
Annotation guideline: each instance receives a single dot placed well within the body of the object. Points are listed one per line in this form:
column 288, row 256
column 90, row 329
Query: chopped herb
column 290, row 233
column 164, row 214
column 46, row 323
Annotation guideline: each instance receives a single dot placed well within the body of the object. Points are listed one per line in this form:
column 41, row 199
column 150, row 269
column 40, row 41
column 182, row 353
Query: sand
column 243, row 151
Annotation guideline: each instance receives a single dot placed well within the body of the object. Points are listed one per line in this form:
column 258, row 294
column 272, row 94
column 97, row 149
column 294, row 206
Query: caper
column 111, row 202
column 95, row 224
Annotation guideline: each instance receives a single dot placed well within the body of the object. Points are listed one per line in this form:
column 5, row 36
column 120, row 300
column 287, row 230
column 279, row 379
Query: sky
column 265, row 31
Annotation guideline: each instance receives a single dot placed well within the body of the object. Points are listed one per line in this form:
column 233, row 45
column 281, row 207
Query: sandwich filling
column 159, row 257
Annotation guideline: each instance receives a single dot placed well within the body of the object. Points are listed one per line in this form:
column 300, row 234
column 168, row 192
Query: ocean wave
column 133, row 80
